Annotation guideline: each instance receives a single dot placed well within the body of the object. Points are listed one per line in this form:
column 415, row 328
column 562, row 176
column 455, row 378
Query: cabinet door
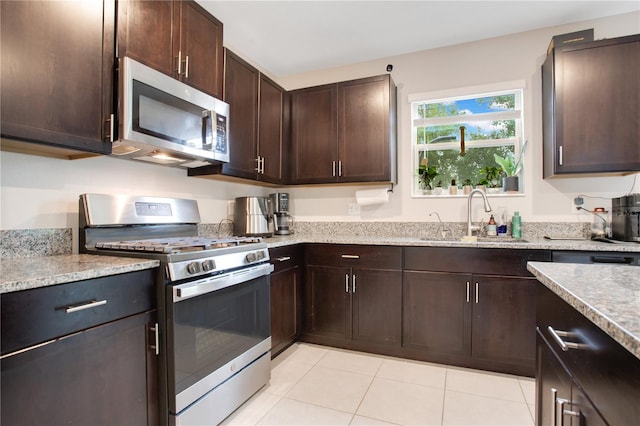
column 241, row 93
column 103, row 376
column 285, row 308
column 145, row 33
column 271, row 130
column 57, row 72
column 553, row 383
column 328, row 302
column 504, row 320
column 437, row 312
column 364, row 145
column 597, row 95
column 314, row 135
column 377, row 306
column 201, row 48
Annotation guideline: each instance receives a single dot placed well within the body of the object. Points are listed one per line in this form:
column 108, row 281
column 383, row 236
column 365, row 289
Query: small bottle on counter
column 453, row 188
column 492, row 230
column 516, row 225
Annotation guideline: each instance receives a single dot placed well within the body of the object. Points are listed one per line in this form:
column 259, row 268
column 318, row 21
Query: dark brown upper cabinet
column 256, row 125
column 591, row 107
column 344, row 132
column 57, row 77
column 178, row 38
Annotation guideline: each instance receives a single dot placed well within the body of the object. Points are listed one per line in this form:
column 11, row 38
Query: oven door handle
column 207, row 285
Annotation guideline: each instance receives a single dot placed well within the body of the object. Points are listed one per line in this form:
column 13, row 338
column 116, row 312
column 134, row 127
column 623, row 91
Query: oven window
column 213, row 329
column 161, row 115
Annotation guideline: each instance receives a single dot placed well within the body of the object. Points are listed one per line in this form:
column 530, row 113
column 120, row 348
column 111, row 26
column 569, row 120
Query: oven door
column 215, row 327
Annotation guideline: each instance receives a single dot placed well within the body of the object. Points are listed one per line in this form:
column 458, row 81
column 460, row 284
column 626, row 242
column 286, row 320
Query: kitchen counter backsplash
column 436, row 230
column 58, row 241
column 18, row 243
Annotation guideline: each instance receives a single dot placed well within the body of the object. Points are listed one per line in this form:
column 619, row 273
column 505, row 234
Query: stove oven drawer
column 35, row 316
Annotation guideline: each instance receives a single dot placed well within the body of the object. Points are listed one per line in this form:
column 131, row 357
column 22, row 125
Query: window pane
column 468, row 106
column 473, row 166
column 481, row 130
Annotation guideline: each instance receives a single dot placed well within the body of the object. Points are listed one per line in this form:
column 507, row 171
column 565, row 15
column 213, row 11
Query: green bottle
column 516, row 225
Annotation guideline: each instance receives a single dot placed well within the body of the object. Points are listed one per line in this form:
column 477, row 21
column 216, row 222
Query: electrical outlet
column 575, row 203
column 354, row 209
column 231, row 205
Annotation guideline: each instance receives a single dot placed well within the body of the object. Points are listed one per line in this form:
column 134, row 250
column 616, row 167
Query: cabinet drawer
column 472, row 260
column 283, row 258
column 607, row 372
column 34, row 316
column 356, row 256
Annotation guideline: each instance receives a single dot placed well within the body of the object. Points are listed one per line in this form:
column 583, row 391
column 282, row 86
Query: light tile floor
column 317, row 385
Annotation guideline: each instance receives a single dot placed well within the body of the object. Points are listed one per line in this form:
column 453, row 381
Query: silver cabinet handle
column 179, row 62
column 468, row 291
column 111, row 120
column 565, row 346
column 350, row 256
column 340, row 168
column 186, row 66
column 333, row 173
column 353, row 277
column 156, row 345
column 262, row 165
column 560, row 155
column 554, row 402
column 346, row 283
column 92, row 304
column 283, row 258
column 257, row 169
column 477, row 296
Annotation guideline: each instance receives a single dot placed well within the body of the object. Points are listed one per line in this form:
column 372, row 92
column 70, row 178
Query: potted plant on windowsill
column 492, row 178
column 467, row 186
column 426, row 175
column 511, row 167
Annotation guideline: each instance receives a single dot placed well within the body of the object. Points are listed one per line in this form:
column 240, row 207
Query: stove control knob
column 260, row 255
column 193, row 268
column 251, row 257
column 208, row 265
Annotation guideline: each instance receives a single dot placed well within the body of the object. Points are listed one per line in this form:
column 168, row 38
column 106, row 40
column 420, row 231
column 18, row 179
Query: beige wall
column 39, row 192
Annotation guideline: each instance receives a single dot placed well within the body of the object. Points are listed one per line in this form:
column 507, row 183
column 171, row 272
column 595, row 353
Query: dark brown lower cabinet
column 81, row 353
column 100, row 376
column 353, row 296
column 476, row 320
column 596, row 382
column 561, row 401
column 286, row 297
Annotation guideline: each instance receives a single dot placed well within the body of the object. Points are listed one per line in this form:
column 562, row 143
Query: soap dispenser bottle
column 492, row 230
column 516, row 225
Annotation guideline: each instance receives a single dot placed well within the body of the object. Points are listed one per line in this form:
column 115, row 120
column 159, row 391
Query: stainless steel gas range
column 213, row 337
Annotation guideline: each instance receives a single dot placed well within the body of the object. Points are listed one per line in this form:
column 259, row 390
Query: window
column 488, row 120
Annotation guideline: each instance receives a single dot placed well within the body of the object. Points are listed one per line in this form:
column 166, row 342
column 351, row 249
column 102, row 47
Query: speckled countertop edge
column 499, row 242
column 608, row 295
column 35, row 272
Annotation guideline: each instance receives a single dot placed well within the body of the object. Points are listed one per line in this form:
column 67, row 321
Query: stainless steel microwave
column 164, row 121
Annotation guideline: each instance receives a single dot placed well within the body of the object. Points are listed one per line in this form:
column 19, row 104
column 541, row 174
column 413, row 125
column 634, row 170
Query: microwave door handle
column 206, row 118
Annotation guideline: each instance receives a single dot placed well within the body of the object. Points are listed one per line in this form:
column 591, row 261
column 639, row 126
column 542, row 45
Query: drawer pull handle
column 284, row 258
column 350, row 256
column 565, row 346
column 92, row 304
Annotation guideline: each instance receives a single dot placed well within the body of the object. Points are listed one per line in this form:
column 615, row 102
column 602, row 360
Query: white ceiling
column 291, row 37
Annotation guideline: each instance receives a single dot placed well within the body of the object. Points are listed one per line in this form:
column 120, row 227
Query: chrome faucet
column 487, row 208
column 443, row 230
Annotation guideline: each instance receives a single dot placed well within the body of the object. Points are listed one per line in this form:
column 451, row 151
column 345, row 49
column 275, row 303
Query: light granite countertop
column 483, row 242
column 33, row 272
column 608, row 295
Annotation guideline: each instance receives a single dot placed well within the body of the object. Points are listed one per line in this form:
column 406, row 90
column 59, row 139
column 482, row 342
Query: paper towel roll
column 372, row 196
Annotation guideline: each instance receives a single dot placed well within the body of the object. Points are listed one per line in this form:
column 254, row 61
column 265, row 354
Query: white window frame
column 517, row 86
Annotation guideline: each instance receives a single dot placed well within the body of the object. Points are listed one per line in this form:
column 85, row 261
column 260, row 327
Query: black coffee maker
column 282, row 220
column 625, row 222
